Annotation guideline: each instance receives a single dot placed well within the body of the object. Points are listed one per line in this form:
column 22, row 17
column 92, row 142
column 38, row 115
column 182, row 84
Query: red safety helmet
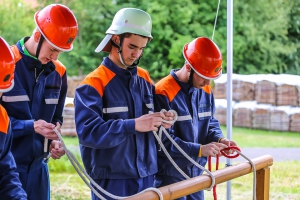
column 58, row 25
column 7, row 67
column 204, row 56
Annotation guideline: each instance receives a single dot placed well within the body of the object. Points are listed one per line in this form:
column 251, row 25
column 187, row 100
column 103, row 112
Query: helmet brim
column 105, row 45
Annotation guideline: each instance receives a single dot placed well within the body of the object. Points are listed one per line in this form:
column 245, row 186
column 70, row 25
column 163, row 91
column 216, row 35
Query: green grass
column 284, row 182
column 263, row 138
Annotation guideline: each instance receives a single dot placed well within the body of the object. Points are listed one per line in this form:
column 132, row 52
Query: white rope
column 212, row 37
column 85, row 177
column 181, row 150
column 254, row 172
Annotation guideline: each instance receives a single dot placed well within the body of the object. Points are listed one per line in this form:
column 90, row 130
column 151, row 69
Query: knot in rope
column 231, row 148
column 175, row 116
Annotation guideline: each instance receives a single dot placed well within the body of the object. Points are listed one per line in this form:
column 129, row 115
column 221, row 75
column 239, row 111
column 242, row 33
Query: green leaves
column 266, row 33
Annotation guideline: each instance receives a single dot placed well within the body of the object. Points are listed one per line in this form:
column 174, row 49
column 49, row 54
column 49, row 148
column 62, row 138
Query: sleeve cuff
column 220, row 140
column 200, row 152
column 29, row 127
column 130, row 126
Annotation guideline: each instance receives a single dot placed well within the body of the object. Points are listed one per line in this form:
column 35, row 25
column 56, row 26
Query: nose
column 136, row 53
column 54, row 55
column 207, row 82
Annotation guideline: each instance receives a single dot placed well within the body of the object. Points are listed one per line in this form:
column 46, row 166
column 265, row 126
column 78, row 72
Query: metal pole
column 229, row 80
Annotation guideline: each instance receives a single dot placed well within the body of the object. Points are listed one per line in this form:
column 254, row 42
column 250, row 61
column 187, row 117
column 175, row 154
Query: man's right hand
column 45, row 129
column 149, row 122
column 213, row 149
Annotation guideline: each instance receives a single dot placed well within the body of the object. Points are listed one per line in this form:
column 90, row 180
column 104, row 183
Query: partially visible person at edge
column 112, row 106
column 10, row 185
column 36, row 102
column 187, row 91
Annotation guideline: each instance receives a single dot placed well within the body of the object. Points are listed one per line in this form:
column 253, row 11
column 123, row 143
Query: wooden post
column 263, row 184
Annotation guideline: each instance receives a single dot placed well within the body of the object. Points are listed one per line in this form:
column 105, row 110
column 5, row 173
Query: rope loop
column 230, row 148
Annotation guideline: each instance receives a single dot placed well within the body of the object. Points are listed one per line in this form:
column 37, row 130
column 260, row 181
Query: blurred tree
column 260, row 36
column 292, row 60
column 94, row 18
column 266, row 33
column 16, row 20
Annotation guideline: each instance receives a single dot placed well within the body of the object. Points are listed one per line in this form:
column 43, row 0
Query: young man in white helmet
column 36, row 102
column 112, row 107
column 187, row 91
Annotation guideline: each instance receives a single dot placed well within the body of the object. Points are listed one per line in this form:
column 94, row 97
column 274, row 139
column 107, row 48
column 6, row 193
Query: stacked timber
column 287, row 95
column 242, row 114
column 298, row 89
column 68, row 128
column 221, row 110
column 287, row 90
column 265, row 92
column 243, row 90
column 243, row 87
column 295, row 119
column 73, row 83
column 261, row 116
column 219, row 87
column 279, row 118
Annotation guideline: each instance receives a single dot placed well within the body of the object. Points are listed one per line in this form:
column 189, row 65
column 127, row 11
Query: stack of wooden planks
column 261, row 117
column 68, row 128
column 295, row 119
column 242, row 114
column 265, row 92
column 279, row 118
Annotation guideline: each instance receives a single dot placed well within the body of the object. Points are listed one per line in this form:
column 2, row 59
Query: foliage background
column 266, row 33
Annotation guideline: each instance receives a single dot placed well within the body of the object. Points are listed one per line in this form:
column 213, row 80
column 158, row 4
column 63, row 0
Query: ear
column 187, row 67
column 116, row 39
column 37, row 36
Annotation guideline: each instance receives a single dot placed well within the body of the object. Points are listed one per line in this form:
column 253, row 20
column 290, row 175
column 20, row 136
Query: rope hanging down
column 86, row 178
column 213, row 34
column 238, row 152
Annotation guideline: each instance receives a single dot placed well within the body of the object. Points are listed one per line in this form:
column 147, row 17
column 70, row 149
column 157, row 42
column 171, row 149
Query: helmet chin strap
column 39, row 46
column 190, row 80
column 120, row 53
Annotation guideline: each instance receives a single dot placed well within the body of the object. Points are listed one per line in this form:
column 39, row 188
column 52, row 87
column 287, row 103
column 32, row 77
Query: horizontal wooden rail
column 198, row 183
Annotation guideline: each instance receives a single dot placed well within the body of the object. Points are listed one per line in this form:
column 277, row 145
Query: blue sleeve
column 10, row 185
column 192, row 149
column 93, row 131
column 214, row 131
column 21, row 127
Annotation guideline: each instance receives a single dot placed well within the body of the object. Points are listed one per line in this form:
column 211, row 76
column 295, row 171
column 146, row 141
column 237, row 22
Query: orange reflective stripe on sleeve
column 170, row 83
column 207, row 89
column 144, row 74
column 16, row 53
column 99, row 78
column 59, row 67
column 4, row 120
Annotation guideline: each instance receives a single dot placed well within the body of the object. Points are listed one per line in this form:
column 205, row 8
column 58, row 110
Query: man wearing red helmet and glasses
column 36, row 102
column 196, row 131
column 10, row 185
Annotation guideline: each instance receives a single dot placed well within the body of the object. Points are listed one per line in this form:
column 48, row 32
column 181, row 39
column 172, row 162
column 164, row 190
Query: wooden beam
column 263, row 184
column 195, row 184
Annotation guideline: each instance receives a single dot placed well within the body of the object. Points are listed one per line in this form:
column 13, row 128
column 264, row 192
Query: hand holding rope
column 238, row 153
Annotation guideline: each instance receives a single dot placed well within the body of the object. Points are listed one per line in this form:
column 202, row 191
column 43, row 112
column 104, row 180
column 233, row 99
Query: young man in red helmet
column 196, row 131
column 112, row 107
column 36, row 102
column 10, row 185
